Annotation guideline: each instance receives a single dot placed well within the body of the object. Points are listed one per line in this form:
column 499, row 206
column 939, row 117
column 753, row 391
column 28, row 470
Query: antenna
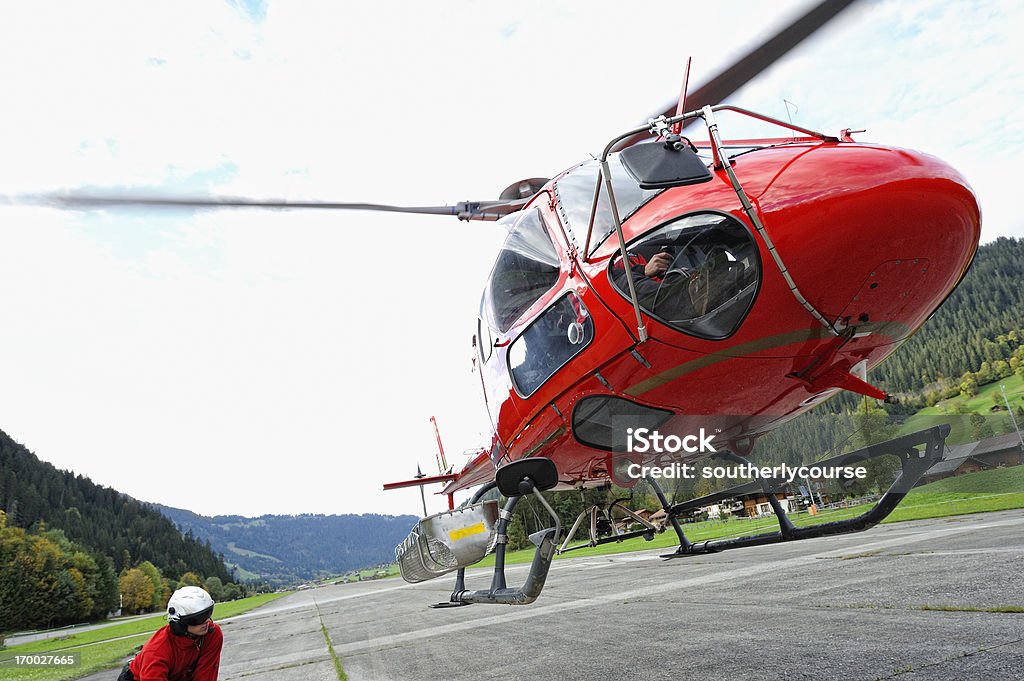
column 442, row 463
column 789, row 114
column 677, row 128
column 419, row 475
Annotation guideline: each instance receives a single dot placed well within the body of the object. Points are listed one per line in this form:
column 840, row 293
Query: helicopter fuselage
column 874, row 238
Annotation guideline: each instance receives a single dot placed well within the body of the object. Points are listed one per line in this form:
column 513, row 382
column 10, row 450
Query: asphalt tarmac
column 882, row 604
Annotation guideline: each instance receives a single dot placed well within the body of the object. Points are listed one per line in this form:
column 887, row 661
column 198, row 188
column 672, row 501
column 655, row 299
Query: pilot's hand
column 658, row 265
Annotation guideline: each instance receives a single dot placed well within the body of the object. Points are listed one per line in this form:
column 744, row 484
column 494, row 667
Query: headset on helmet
column 189, row 606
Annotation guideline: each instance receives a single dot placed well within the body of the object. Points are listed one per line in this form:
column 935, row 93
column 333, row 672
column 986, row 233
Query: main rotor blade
column 761, row 57
column 466, row 210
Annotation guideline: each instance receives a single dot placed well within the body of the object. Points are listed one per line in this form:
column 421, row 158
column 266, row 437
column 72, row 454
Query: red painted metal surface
column 874, row 237
column 419, row 482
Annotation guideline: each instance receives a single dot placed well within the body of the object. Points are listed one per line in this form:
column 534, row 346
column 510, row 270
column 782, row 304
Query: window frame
column 758, row 263
column 572, row 235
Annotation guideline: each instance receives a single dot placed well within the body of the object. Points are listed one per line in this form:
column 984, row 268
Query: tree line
column 46, row 580
column 67, row 544
column 143, row 588
column 963, row 333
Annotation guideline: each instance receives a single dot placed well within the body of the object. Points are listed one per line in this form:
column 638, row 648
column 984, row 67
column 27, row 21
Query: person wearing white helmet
column 186, row 649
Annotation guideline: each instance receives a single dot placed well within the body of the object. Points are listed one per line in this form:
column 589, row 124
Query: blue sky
column 286, row 363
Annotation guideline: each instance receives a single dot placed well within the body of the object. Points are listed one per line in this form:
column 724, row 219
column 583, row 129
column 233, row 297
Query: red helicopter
column 726, row 287
column 718, row 287
column 703, row 290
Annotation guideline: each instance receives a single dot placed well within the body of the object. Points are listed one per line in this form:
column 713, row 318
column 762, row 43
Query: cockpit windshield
column 526, row 268
column 575, row 192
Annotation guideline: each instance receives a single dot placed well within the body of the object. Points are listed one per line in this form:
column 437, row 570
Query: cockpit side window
column 526, row 268
column 711, row 281
column 564, row 330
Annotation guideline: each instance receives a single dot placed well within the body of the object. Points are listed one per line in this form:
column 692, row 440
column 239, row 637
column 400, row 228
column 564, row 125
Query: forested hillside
column 65, row 543
column 962, row 334
column 284, row 549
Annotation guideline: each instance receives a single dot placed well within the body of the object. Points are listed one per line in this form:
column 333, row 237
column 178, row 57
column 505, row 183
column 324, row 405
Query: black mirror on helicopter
column 664, row 165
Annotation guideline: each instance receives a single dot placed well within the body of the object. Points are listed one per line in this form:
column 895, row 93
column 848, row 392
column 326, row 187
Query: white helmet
column 189, row 606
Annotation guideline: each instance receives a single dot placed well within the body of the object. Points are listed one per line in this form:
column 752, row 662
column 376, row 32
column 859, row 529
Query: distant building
column 758, row 505
column 1004, row 450
column 992, row 452
column 626, row 524
column 750, row 506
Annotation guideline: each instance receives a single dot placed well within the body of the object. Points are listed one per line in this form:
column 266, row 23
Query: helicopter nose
column 872, row 234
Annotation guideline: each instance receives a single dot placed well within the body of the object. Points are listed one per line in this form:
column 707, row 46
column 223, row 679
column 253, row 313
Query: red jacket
column 167, row 657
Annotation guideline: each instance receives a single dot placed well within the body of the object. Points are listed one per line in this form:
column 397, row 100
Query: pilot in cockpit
column 648, row 273
column 664, row 282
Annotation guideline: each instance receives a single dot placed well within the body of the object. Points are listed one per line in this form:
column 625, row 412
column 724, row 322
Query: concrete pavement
column 874, row 605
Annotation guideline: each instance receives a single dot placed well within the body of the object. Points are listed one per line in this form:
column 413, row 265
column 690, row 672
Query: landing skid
column 448, row 604
column 914, row 464
column 530, row 476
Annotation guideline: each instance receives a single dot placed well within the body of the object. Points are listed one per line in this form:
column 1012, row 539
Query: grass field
column 983, row 401
column 104, row 648
column 995, row 490
column 949, row 411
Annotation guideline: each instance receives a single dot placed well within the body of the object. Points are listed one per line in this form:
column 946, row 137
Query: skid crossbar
column 647, row 532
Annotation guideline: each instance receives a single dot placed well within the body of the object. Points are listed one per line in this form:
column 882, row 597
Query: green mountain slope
column 100, row 518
